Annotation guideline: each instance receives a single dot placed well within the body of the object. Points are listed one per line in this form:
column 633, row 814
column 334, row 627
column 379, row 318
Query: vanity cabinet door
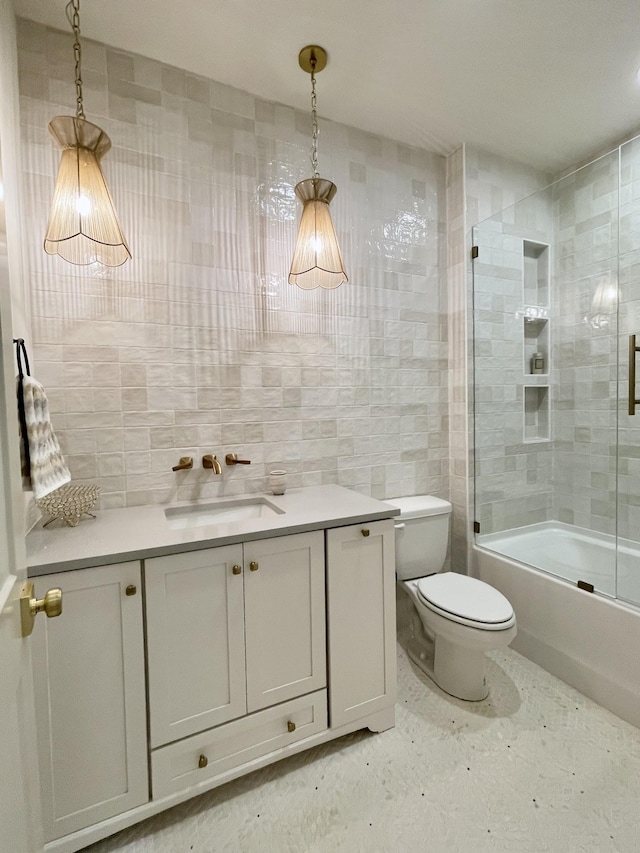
column 284, row 591
column 195, row 641
column 361, row 620
column 90, row 698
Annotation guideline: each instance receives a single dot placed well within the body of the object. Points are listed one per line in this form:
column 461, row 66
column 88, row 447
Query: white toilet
column 455, row 619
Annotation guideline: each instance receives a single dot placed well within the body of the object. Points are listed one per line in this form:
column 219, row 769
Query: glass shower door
column 628, row 451
column 512, row 367
column 546, row 339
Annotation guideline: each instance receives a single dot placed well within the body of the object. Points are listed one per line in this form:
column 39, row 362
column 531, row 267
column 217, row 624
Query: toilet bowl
column 454, row 619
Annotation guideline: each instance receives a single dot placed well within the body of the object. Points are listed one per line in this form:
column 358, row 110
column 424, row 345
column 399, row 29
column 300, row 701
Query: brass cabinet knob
column 237, row 570
column 131, row 589
column 365, row 531
column 291, row 726
column 203, row 761
column 30, row 606
column 254, row 567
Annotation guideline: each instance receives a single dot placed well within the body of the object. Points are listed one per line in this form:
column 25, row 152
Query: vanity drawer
column 204, row 756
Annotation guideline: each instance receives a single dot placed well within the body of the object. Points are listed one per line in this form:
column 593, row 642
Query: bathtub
column 590, row 640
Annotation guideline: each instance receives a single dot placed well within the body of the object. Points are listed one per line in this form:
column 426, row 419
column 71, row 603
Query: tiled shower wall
column 199, row 345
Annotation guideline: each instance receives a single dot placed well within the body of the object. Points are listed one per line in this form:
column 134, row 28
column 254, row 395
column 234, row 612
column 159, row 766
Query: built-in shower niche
column 536, row 413
column 536, row 340
column 535, row 273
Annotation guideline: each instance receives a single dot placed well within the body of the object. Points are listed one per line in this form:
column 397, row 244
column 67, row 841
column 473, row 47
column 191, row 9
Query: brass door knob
column 237, row 570
column 291, row 726
column 365, row 532
column 254, row 567
column 131, row 589
column 203, row 761
column 30, row 606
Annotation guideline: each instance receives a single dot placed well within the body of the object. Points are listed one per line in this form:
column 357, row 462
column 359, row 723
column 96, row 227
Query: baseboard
column 596, row 685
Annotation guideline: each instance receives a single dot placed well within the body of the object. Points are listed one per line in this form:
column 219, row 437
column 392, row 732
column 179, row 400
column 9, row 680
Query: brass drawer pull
column 237, row 570
column 291, row 726
column 131, row 589
column 203, row 761
column 254, row 567
column 365, row 532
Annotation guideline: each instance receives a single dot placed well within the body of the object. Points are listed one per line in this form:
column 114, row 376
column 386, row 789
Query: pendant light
column 317, row 261
column 83, row 225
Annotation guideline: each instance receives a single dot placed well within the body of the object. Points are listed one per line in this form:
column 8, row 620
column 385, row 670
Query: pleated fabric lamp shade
column 317, row 260
column 83, row 225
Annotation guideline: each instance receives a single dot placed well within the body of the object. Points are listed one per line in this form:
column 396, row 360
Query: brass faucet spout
column 210, row 461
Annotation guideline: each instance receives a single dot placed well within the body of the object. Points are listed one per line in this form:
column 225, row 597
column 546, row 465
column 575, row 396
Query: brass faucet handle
column 184, row 463
column 232, row 459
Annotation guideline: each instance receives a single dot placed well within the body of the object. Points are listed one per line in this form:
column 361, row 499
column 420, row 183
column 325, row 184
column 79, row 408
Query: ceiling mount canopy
column 83, row 225
column 317, row 260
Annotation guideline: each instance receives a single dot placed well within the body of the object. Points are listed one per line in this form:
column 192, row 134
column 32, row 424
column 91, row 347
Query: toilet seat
column 466, row 600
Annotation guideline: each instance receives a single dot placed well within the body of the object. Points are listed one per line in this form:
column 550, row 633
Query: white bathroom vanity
column 202, row 641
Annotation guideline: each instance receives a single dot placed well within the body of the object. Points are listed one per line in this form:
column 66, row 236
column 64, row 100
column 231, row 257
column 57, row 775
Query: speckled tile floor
column 535, row 767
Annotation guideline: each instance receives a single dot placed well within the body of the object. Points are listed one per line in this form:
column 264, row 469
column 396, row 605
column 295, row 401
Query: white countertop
column 117, row 535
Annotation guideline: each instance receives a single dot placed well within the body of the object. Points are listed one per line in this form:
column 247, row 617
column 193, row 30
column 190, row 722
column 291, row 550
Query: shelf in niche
column 536, row 413
column 535, row 333
column 535, row 273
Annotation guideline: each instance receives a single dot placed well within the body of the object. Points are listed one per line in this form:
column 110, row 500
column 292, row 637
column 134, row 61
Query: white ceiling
column 547, row 82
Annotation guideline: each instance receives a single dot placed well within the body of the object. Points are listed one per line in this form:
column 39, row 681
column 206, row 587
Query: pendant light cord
column 314, row 122
column 73, row 16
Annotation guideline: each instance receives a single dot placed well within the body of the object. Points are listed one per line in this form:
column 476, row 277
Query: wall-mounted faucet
column 210, row 461
column 232, row 459
column 184, row 463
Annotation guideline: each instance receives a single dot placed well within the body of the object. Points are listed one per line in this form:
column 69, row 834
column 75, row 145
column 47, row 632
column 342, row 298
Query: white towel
column 48, row 468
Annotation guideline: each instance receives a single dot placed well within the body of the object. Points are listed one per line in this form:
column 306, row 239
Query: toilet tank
column 422, row 535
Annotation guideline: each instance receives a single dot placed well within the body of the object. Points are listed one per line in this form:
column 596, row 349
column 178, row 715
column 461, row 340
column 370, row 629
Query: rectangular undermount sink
column 221, row 512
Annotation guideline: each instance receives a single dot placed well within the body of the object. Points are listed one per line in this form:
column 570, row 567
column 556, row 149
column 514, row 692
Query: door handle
column 633, row 349
column 30, row 606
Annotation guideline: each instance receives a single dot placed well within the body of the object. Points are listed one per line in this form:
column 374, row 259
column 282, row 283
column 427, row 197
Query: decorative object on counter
column 317, row 261
column 210, row 461
column 538, row 363
column 278, row 482
column 83, row 225
column 185, row 463
column 43, row 465
column 232, row 459
column 69, row 503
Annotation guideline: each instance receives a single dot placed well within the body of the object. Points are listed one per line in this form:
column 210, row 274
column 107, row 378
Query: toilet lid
column 465, row 599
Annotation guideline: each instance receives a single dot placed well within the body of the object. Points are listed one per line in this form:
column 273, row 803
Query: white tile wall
column 199, row 345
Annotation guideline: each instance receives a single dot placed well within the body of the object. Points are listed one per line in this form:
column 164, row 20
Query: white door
column 19, row 801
